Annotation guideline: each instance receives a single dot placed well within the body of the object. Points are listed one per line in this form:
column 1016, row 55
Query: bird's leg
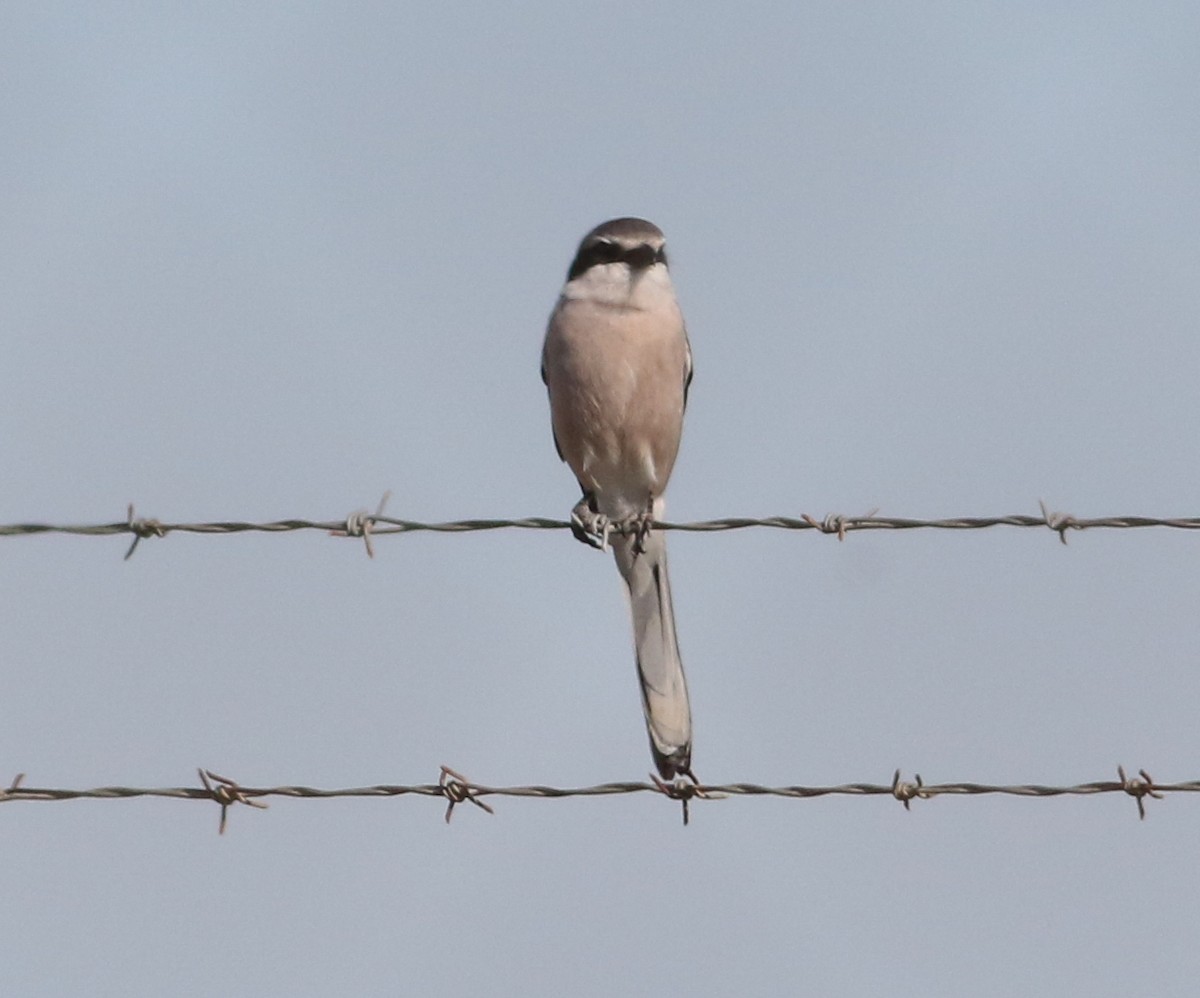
column 589, row 525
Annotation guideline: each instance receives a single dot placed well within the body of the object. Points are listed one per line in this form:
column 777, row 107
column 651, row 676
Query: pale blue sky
column 263, row 261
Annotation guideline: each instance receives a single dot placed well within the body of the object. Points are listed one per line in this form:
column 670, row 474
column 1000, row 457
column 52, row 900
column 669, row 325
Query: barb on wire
column 456, row 789
column 905, row 792
column 12, row 788
column 226, row 792
column 141, row 528
column 360, row 524
column 683, row 788
column 365, row 525
column 1139, row 789
column 1060, row 523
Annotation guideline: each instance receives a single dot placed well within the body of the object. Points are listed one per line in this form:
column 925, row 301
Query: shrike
column 617, row 365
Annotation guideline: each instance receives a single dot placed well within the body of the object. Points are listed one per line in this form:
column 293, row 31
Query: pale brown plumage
column 617, row 364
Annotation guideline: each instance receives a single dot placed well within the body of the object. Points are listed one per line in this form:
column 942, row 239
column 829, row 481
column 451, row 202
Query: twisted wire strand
column 457, row 789
column 714, row 791
column 364, row 524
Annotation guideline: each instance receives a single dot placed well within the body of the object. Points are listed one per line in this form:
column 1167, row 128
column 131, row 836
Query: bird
column 617, row 366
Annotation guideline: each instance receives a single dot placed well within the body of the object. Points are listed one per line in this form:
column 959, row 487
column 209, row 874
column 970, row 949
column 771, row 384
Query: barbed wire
column 456, row 789
column 365, row 524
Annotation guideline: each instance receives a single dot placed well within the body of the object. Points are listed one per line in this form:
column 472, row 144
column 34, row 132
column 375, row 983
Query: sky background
column 271, row 260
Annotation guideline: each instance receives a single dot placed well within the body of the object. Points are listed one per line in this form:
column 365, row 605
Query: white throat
column 615, row 285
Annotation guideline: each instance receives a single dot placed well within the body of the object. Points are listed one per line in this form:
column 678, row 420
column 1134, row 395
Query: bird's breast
column 616, row 378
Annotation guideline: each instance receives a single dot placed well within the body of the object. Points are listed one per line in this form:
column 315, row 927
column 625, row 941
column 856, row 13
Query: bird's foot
column 639, row 526
column 589, row 526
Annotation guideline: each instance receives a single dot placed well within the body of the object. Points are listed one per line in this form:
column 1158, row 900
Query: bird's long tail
column 660, row 669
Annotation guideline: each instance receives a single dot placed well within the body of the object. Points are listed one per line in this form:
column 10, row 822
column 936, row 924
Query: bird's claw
column 590, row 527
column 640, row 527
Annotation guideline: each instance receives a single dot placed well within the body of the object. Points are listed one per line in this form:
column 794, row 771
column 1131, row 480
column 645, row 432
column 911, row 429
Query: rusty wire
column 456, row 789
column 365, row 524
